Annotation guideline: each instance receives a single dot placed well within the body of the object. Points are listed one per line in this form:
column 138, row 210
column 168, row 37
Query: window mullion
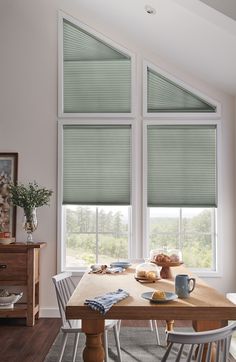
column 96, row 234
column 180, row 229
column 213, row 238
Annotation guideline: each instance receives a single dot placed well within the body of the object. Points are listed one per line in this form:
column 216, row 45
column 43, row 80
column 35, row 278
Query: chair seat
column 75, row 326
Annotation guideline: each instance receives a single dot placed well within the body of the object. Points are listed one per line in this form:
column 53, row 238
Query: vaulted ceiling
column 227, row 7
column 187, row 33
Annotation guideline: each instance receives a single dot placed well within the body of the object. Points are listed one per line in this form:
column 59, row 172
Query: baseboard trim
column 49, row 313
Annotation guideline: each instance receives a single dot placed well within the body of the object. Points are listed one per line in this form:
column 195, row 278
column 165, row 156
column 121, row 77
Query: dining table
column 206, row 307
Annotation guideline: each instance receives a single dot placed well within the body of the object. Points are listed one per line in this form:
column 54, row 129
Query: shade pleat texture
column 96, row 165
column 164, row 95
column 182, row 166
column 97, row 77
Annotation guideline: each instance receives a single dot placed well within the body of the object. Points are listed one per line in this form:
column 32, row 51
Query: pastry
column 162, row 258
column 158, row 294
column 151, row 275
column 141, row 274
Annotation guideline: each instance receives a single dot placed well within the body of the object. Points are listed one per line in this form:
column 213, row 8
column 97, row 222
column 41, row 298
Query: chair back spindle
column 214, row 343
column 64, row 286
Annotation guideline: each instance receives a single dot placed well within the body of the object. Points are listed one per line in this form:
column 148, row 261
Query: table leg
column 93, row 350
column 169, row 325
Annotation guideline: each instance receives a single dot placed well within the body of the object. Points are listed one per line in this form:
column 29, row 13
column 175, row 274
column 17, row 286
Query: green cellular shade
column 182, row 166
column 97, row 78
column 163, row 95
column 96, row 165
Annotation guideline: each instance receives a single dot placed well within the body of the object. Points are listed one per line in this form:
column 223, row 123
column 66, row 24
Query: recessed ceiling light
column 150, row 10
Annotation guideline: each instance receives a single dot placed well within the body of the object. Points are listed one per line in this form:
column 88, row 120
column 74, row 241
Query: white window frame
column 218, row 246
column 177, row 115
column 61, row 245
column 123, row 50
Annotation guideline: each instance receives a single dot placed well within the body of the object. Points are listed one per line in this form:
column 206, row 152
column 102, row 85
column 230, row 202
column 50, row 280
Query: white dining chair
column 185, row 346
column 64, row 287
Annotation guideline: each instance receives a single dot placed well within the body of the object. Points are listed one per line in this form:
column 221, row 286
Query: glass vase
column 30, row 223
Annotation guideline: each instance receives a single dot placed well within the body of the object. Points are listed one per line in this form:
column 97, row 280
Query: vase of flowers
column 29, row 198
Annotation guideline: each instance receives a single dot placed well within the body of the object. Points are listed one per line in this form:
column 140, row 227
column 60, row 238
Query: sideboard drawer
column 13, row 266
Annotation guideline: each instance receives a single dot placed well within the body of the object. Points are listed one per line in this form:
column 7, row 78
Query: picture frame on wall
column 8, row 174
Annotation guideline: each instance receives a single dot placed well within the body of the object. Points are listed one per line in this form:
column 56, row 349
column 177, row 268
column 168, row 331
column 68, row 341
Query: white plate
column 169, row 296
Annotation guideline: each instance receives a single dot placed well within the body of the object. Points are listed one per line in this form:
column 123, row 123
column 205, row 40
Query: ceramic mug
column 184, row 285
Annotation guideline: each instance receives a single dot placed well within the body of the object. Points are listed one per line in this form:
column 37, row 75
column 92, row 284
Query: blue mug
column 184, row 285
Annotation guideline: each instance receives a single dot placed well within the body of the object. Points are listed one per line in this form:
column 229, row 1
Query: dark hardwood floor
column 19, row 343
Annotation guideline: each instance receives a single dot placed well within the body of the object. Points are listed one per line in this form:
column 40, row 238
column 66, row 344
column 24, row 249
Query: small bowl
column 6, row 241
column 10, row 299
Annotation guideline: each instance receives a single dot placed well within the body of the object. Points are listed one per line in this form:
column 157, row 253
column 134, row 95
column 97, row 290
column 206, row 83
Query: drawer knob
column 3, row 266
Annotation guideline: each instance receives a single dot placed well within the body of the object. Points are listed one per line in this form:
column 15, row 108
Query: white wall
column 28, row 118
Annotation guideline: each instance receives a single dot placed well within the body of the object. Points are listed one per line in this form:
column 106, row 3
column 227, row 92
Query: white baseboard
column 49, row 313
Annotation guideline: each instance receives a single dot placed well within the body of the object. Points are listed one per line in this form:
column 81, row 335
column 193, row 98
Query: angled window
column 167, row 95
column 96, row 75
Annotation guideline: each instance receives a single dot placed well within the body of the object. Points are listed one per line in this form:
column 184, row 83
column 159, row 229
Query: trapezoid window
column 166, row 96
column 97, row 77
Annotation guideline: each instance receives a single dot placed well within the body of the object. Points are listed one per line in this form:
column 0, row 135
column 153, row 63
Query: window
column 182, row 165
column 95, row 75
column 96, row 193
column 191, row 230
column 101, row 165
column 96, row 234
column 166, row 96
column 182, row 191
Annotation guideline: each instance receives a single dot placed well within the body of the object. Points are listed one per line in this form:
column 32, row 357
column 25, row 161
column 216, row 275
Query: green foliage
column 29, row 196
column 196, row 243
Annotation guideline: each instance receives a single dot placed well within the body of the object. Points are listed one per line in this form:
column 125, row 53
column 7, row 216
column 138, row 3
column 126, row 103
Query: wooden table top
column 204, row 303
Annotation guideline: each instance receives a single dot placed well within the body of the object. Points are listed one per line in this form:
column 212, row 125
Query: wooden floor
column 19, row 343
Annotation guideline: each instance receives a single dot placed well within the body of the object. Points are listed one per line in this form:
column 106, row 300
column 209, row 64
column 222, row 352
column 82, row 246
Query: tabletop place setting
column 147, row 272
column 137, row 290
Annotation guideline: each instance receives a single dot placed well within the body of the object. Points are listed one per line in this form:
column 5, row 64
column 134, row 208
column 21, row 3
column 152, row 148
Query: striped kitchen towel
column 104, row 302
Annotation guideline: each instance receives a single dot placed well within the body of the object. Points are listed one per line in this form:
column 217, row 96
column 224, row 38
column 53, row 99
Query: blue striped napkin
column 104, row 302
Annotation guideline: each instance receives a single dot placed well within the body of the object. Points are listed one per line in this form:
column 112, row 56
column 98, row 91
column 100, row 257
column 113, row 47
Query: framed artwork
column 8, row 174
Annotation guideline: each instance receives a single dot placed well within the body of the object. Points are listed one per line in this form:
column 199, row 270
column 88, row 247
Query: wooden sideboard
column 19, row 266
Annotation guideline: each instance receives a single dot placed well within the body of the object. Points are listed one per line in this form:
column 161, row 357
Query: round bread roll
column 162, row 258
column 141, row 274
column 151, row 275
column 158, row 294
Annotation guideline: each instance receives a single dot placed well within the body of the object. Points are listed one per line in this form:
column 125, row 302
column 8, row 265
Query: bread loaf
column 158, row 294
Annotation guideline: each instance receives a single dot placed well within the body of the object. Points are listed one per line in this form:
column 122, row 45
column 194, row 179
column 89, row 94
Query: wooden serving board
column 145, row 280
